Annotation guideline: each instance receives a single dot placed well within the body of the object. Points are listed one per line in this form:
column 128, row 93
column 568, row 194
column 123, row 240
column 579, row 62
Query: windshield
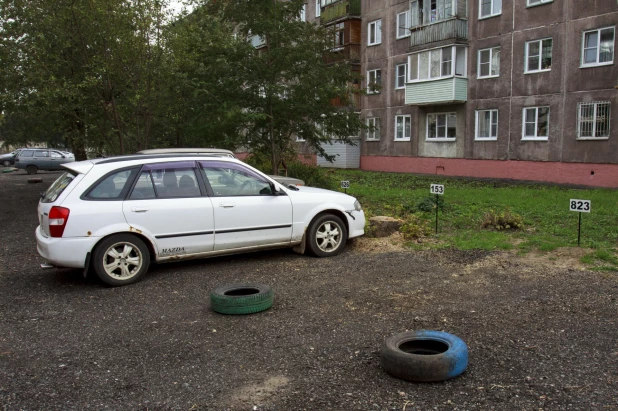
column 54, row 191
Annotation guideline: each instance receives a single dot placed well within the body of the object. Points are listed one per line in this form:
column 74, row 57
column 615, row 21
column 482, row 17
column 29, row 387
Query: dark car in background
column 8, row 159
column 34, row 159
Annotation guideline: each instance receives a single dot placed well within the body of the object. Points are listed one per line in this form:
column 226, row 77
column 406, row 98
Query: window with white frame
column 373, row 131
column 486, row 125
column 401, row 72
column 441, row 126
column 318, row 9
column 537, row 2
column 538, row 55
column 536, row 123
column 598, row 47
column 303, row 13
column 431, row 11
column 437, row 63
column 403, row 24
column 403, row 127
column 374, row 34
column 593, row 120
column 374, row 81
column 489, row 8
column 489, row 62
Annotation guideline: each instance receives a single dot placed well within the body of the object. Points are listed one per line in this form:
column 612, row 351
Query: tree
column 287, row 89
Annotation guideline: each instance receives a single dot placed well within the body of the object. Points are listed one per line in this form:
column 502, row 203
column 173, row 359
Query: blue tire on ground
column 424, row 355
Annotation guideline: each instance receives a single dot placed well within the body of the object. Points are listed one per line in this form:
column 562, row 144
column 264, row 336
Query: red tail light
column 58, row 217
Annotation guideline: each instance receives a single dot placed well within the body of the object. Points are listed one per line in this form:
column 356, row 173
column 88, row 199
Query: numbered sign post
column 438, row 190
column 580, row 206
column 345, row 185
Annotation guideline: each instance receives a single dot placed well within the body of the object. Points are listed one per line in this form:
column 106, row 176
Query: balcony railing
column 349, row 52
column 441, row 91
column 443, row 30
column 340, row 9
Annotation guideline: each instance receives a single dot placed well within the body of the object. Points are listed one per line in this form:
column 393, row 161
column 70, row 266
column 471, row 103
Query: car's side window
column 175, row 182
column 26, row 153
column 56, row 154
column 228, row 179
column 112, row 187
column 42, row 153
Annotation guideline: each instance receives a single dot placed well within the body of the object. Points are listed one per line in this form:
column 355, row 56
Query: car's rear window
column 54, row 191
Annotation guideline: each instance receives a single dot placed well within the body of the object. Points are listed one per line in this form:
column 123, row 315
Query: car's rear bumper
column 64, row 252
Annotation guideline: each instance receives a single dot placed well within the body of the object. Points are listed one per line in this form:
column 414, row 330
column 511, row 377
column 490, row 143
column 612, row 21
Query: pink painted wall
column 595, row 175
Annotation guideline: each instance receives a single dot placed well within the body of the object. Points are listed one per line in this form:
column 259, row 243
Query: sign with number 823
column 580, row 206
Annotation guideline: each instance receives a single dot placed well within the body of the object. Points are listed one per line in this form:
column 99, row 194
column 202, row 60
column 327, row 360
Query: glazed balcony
column 340, row 9
column 441, row 91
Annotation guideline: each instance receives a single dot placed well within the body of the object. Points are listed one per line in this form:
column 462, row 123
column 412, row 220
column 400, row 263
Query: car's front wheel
column 327, row 235
column 121, row 259
column 31, row 169
column 6, row 163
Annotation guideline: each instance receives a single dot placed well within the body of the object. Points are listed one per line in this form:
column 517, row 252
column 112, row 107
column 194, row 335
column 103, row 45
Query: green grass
column 548, row 223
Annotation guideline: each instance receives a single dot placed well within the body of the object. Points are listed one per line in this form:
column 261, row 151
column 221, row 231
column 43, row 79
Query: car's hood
column 326, row 195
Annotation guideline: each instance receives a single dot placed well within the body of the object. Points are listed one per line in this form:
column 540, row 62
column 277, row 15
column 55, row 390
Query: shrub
column 429, row 203
column 505, row 220
column 313, row 176
column 414, row 228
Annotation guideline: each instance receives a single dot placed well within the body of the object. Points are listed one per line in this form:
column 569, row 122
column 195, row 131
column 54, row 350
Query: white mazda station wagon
column 117, row 215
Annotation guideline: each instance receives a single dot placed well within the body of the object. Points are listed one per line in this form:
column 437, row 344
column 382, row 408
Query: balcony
column 340, row 9
column 349, row 53
column 453, row 28
column 441, row 91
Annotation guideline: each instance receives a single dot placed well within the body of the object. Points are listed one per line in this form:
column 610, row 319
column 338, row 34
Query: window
column 300, row 139
column 374, row 80
column 403, row 128
column 486, row 125
column 441, row 126
column 227, row 179
column 598, row 47
column 339, row 30
column 431, row 11
column 537, row 2
column 112, row 187
column 489, row 8
column 373, row 133
column 401, row 72
column 41, row 153
column 536, row 123
column 538, row 55
column 27, row 153
column 489, row 62
column 403, row 24
column 303, row 13
column 593, row 120
column 56, row 154
column 318, row 9
column 375, row 33
column 437, row 63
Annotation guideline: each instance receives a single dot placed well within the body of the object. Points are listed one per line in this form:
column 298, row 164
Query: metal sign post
column 345, row 185
column 438, row 190
column 580, row 206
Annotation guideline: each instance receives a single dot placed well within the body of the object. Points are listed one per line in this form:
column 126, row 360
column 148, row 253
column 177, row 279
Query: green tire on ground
column 241, row 298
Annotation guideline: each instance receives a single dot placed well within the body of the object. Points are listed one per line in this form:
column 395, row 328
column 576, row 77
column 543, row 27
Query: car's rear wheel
column 32, row 169
column 121, row 259
column 6, row 163
column 327, row 235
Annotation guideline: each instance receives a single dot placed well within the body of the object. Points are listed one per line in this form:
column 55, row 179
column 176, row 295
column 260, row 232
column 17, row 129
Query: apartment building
column 517, row 89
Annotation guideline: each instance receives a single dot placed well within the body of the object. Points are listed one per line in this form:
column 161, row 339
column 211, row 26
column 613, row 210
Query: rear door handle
column 228, row 205
column 139, row 209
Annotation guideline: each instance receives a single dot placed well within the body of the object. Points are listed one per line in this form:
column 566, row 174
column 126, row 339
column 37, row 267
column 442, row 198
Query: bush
column 505, row 220
column 428, row 204
column 313, row 176
column 414, row 228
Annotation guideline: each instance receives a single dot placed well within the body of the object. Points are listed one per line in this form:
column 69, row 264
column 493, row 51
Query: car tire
column 326, row 236
column 110, row 259
column 241, row 298
column 6, row 163
column 31, row 169
column 424, row 356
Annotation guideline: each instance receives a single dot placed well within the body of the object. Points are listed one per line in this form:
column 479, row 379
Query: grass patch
column 601, row 260
column 544, row 210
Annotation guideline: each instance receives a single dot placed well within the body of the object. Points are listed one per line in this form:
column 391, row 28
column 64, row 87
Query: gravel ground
column 542, row 333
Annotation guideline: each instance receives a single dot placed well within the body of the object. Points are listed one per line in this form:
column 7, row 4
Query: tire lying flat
column 425, row 356
column 241, row 298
